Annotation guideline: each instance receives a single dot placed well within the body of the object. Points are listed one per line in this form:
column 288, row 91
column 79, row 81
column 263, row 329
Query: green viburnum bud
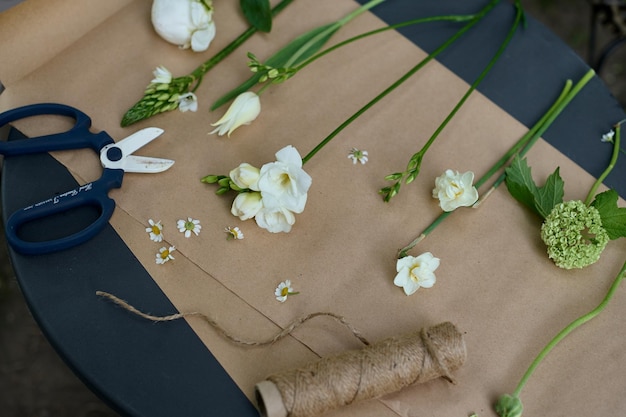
column 574, row 235
column 509, row 406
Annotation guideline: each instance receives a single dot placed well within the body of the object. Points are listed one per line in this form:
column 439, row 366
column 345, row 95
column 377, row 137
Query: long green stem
column 483, row 74
column 551, row 117
column 414, row 165
column 448, row 18
column 521, row 147
column 332, row 28
column 399, row 81
column 199, row 72
column 609, row 168
column 567, row 330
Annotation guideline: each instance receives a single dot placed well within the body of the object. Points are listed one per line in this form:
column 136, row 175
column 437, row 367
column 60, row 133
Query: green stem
column 199, row 72
column 567, row 330
column 526, row 142
column 331, row 29
column 415, row 162
column 609, row 168
column 534, row 132
column 399, row 81
column 551, row 117
column 449, row 18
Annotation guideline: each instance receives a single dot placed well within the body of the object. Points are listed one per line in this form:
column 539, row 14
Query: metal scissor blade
column 145, row 164
column 138, row 139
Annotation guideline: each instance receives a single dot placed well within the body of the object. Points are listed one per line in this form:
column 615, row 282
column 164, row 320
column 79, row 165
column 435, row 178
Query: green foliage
column 298, row 50
column 541, row 200
column 613, row 217
column 258, row 13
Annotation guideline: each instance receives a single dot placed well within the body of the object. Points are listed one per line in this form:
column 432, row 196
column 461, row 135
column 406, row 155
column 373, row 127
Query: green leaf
column 550, row 194
column 541, row 200
column 258, row 13
column 305, row 46
column 613, row 217
column 520, row 183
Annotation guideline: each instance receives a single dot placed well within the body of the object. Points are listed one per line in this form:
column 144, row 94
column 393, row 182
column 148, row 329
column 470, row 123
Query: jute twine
column 226, row 334
column 376, row 370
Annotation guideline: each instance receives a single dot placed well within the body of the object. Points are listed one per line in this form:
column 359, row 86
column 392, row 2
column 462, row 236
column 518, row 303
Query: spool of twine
column 382, row 368
column 377, row 369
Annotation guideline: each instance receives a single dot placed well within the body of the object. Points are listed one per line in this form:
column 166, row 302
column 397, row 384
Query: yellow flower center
column 165, row 254
column 285, row 179
column 156, row 230
column 284, row 292
column 414, row 273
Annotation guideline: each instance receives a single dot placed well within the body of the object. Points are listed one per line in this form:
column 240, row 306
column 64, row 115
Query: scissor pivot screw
column 114, row 154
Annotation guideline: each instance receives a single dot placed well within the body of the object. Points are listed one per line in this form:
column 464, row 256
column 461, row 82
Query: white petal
column 201, row 39
column 289, row 155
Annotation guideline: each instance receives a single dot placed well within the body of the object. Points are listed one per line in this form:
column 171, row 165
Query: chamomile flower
column 155, row 230
column 234, row 233
column 608, row 137
column 284, row 290
column 164, row 255
column 357, row 155
column 189, row 226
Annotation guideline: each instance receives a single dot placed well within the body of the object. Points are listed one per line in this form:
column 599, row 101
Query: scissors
column 116, row 158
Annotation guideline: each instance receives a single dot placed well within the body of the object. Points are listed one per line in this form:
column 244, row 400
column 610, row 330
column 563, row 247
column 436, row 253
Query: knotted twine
column 376, row 370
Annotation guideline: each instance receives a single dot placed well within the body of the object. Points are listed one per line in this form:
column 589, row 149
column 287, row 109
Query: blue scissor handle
column 92, row 194
column 77, row 137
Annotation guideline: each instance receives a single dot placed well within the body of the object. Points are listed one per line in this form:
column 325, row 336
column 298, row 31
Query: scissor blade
column 138, row 139
column 145, row 164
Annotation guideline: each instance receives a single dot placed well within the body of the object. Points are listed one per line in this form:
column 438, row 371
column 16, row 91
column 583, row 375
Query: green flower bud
column 211, row 179
column 574, row 235
column 224, row 182
column 509, row 406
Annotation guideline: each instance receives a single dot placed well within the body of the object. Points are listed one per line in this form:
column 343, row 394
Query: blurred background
column 34, row 381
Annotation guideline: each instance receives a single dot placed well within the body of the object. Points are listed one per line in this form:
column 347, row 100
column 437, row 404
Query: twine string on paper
column 226, row 334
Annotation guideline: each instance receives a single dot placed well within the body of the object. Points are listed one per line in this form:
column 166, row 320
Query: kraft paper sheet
column 495, row 281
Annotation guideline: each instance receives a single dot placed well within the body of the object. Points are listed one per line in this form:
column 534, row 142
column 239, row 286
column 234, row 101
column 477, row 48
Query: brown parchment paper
column 495, row 281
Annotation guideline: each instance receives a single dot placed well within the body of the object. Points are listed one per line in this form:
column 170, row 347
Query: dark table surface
column 166, row 370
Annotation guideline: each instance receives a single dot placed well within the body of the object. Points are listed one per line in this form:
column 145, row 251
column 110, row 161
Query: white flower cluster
column 274, row 193
column 186, row 23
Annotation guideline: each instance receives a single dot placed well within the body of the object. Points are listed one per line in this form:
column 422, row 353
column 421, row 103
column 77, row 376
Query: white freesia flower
column 246, row 176
column 162, row 75
column 416, row 272
column 187, row 101
column 186, row 23
column 275, row 219
column 284, row 184
column 247, row 205
column 243, row 111
column 455, row 190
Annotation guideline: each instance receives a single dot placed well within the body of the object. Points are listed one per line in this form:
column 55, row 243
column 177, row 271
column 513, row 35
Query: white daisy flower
column 188, row 226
